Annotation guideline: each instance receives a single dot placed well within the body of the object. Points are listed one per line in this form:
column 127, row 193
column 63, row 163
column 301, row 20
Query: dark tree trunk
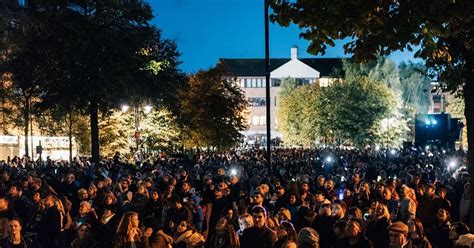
column 70, row 136
column 26, row 117
column 469, row 114
column 94, row 118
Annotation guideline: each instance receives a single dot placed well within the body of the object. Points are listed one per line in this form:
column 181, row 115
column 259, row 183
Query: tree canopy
column 90, row 55
column 212, row 110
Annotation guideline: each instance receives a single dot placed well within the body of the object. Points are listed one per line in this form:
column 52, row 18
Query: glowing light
column 233, row 171
column 452, row 164
column 428, row 122
column 427, row 147
column 377, row 148
column 147, row 109
column 329, row 159
column 393, row 152
column 125, row 108
column 434, row 122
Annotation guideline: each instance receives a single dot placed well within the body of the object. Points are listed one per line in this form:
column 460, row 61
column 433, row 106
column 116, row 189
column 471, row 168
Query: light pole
column 267, row 85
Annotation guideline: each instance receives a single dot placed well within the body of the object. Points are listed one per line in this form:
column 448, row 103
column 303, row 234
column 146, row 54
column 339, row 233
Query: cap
column 399, row 227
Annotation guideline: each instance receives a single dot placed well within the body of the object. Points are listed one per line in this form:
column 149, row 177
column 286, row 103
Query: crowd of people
column 415, row 197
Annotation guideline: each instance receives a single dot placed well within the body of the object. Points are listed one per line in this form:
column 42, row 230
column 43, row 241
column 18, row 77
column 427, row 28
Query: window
column 248, row 83
column 254, row 83
column 256, row 120
column 242, row 82
column 259, row 120
column 259, row 83
column 275, row 82
column 257, row 101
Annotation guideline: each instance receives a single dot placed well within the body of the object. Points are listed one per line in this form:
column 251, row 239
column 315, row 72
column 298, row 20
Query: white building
column 250, row 75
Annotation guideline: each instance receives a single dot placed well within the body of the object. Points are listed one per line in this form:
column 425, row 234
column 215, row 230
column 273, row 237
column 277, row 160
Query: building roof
column 256, row 67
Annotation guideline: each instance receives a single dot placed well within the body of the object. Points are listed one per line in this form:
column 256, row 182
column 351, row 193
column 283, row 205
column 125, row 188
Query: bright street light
column 147, row 109
column 125, row 108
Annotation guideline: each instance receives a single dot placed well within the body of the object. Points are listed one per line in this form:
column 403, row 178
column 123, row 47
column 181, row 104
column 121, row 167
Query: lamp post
column 267, row 84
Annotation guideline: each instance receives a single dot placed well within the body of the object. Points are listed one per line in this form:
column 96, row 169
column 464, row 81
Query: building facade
column 250, row 76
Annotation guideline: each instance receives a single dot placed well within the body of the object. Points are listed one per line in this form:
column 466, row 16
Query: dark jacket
column 363, row 242
column 377, row 233
column 258, row 237
column 49, row 227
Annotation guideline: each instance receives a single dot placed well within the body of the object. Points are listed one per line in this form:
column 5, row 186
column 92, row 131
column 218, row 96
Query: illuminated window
column 257, row 101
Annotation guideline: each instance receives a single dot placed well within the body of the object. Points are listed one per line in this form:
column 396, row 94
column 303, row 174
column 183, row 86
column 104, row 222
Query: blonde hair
column 247, row 218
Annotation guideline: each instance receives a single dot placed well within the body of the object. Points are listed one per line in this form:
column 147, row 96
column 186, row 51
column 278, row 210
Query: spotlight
column 428, row 122
column 233, row 171
column 434, row 122
column 427, row 147
column 393, row 152
column 377, row 148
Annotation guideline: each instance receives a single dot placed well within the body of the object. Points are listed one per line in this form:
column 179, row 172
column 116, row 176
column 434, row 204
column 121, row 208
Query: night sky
column 206, row 30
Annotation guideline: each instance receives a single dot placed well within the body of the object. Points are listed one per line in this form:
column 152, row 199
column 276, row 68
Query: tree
column 455, row 107
column 159, row 131
column 441, row 31
column 299, row 116
column 213, row 110
column 95, row 54
column 416, row 86
column 287, row 86
column 355, row 109
column 392, row 129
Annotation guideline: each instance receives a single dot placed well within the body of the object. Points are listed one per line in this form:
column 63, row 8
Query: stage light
column 233, row 172
column 393, row 152
column 434, row 122
column 428, row 122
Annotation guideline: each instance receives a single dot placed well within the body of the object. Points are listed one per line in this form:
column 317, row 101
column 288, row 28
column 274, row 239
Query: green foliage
column 298, row 116
column 212, row 110
column 88, row 55
column 287, row 86
column 158, row 131
column 365, row 108
column 354, row 109
column 392, row 130
column 416, row 87
column 455, row 107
